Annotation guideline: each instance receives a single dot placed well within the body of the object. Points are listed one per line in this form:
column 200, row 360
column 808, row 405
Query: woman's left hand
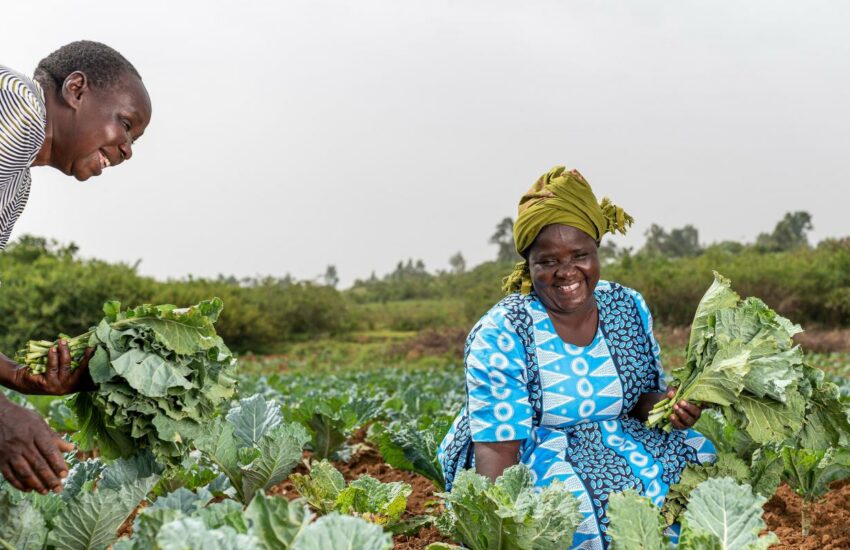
column 685, row 414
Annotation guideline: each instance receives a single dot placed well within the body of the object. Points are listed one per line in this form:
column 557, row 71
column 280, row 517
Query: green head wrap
column 564, row 198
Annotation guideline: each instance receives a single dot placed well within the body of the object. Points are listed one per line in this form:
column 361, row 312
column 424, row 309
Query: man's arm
column 59, row 379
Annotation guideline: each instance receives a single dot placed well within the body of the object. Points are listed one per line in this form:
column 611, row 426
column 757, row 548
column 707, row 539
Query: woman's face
column 100, row 127
column 564, row 268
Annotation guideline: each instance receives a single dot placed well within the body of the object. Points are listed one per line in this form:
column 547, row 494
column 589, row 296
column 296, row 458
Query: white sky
column 290, row 135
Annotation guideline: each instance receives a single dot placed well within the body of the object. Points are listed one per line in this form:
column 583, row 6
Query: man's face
column 102, row 128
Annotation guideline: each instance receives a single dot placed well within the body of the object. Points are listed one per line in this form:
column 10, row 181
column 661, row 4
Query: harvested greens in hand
column 34, row 356
column 161, row 374
column 741, row 358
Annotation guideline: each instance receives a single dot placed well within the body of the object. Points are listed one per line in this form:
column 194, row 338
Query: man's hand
column 59, row 379
column 685, row 414
column 30, row 452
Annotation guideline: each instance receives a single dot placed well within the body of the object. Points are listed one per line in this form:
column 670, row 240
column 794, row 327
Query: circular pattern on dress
column 584, row 387
column 503, row 411
column 587, row 407
column 498, row 360
column 580, row 366
column 639, row 459
column 505, row 432
column 497, row 378
column 505, row 342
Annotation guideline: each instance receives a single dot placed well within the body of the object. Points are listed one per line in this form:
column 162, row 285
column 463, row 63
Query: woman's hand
column 58, row 379
column 30, row 452
column 685, row 414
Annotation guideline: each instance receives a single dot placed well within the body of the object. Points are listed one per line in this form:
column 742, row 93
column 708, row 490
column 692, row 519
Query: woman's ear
column 75, row 85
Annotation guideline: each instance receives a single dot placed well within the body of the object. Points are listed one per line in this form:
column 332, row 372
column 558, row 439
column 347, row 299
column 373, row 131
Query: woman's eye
column 126, row 125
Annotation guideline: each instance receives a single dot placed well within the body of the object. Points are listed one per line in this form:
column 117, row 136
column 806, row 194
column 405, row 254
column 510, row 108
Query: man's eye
column 126, row 125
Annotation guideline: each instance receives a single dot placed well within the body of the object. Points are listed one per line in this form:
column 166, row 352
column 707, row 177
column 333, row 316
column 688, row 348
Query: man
column 80, row 114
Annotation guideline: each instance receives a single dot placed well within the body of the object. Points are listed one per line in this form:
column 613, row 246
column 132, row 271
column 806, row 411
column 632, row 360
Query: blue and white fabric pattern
column 582, row 434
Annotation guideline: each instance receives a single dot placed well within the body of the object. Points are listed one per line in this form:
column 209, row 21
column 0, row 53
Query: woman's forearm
column 491, row 459
column 644, row 405
column 8, row 368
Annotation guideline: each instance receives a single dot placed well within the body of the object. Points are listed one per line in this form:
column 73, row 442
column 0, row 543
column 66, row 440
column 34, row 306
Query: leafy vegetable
column 331, row 419
column 722, row 515
column 809, row 473
column 726, row 514
column 366, row 497
column 741, row 357
column 509, row 513
column 277, row 522
column 634, row 522
column 412, row 447
column 274, row 451
column 34, row 355
column 727, row 465
column 336, row 532
column 161, row 372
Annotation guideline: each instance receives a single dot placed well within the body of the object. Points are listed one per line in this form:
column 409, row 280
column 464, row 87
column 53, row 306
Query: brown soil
column 431, row 342
column 830, row 520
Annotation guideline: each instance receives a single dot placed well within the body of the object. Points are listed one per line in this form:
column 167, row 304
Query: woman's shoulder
column 26, row 93
column 610, row 290
column 505, row 312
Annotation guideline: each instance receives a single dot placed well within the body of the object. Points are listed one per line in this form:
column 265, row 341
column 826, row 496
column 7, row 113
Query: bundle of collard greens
column 161, row 373
column 741, row 357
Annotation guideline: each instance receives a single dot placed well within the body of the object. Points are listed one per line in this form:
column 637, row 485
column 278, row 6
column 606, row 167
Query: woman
column 562, row 373
column 81, row 113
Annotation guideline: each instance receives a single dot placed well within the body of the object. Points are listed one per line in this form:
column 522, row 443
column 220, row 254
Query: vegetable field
column 332, row 445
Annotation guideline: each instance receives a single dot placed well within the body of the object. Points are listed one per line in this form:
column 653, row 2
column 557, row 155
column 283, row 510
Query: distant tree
column 790, row 233
column 609, row 252
column 678, row 243
column 330, row 277
column 503, row 238
column 457, row 263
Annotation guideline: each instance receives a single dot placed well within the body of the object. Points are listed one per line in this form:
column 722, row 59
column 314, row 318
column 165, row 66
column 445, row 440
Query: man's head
column 97, row 106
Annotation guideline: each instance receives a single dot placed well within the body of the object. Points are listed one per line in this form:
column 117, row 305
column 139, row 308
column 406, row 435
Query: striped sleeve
column 23, row 119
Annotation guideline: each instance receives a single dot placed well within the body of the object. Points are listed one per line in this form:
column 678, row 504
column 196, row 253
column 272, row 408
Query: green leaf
column 726, row 511
column 381, row 503
column 149, row 374
column 253, row 418
column 183, row 500
column 726, row 465
column 769, row 421
column 100, row 367
column 280, row 451
column 192, row 534
column 509, row 513
column 321, row 488
column 336, row 532
column 91, row 520
column 219, row 446
column 225, row 513
column 277, row 522
column 634, row 522
column 21, row 526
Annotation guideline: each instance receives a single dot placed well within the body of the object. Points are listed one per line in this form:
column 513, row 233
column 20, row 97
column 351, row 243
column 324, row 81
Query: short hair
column 103, row 66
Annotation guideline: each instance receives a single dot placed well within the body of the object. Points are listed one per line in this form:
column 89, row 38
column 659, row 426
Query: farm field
column 376, row 404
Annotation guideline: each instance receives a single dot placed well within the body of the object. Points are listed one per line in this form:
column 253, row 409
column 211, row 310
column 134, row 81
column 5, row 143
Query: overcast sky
column 290, row 135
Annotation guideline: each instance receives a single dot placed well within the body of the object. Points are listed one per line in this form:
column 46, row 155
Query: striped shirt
column 23, row 120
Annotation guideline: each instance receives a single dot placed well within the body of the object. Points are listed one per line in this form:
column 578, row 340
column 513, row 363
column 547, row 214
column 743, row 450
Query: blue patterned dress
column 569, row 404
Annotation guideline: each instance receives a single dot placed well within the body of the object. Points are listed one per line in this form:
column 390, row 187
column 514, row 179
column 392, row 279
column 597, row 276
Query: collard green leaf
column 277, row 522
column 279, row 452
column 225, row 513
column 150, row 374
column 184, row 501
column 21, row 526
column 726, row 511
column 509, row 513
column 91, row 520
column 321, row 488
column 253, row 418
column 336, row 532
column 192, row 534
column 768, row 421
column 634, row 522
column 718, row 296
column 726, row 465
column 381, row 503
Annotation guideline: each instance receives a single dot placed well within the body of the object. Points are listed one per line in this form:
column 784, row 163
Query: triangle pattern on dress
column 556, row 444
column 549, row 378
column 696, row 442
column 557, row 469
column 547, row 357
column 473, row 362
column 592, row 544
column 605, row 369
column 476, row 404
column 477, row 426
column 552, row 400
column 542, row 336
column 611, row 411
column 600, row 349
column 550, row 419
column 587, row 527
column 614, row 389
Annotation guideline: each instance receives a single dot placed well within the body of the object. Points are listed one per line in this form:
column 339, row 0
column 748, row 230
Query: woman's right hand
column 30, row 452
